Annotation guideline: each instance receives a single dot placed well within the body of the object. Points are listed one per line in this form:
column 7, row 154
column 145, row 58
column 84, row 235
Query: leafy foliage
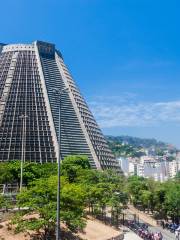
column 163, row 198
column 81, row 187
column 10, row 172
column 137, row 142
column 71, row 166
column 133, row 146
column 40, row 198
column 83, row 190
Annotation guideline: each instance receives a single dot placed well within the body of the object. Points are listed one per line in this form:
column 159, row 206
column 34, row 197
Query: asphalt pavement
column 167, row 235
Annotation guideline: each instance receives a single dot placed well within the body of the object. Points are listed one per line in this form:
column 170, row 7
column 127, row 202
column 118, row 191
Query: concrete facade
column 28, row 75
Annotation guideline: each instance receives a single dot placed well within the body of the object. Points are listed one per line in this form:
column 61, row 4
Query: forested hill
column 135, row 147
column 137, row 142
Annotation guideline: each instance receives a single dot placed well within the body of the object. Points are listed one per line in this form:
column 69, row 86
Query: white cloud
column 115, row 112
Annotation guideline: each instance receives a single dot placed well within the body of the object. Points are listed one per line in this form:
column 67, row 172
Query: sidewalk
column 143, row 216
column 129, row 235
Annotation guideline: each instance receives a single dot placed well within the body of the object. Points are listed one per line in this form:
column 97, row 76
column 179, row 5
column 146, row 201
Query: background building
column 28, row 75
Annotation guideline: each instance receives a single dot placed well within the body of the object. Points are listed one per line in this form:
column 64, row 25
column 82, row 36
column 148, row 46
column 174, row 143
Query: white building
column 140, row 170
column 172, row 168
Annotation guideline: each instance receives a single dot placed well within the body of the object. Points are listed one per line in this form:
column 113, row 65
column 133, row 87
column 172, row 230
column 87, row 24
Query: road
column 129, row 235
column 167, row 235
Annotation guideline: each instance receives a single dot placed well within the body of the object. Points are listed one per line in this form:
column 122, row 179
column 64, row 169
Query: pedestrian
column 156, row 237
column 160, row 236
column 177, row 234
column 162, row 224
column 152, row 236
column 167, row 225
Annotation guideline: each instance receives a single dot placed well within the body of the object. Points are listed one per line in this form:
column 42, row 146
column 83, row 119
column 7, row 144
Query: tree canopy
column 82, row 188
column 83, row 191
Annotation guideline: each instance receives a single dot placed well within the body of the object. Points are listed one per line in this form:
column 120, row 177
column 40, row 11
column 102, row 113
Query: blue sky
column 124, row 55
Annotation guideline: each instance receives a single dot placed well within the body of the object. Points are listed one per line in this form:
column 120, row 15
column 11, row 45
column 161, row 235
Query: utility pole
column 60, row 93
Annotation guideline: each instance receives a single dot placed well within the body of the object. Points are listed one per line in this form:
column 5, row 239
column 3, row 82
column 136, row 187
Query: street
column 167, row 235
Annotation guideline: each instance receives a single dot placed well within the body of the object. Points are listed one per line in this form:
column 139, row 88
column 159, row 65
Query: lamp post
column 60, row 93
column 23, row 117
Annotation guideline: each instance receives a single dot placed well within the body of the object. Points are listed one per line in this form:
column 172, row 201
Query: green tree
column 135, row 186
column 172, row 200
column 5, row 203
column 145, row 199
column 10, row 171
column 72, row 165
column 104, row 189
column 41, row 198
column 5, row 174
column 177, row 177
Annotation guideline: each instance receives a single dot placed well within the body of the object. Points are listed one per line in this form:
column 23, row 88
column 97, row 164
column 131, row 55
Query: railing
column 9, row 189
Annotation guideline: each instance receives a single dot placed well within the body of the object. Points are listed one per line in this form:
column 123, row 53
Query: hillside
column 135, row 147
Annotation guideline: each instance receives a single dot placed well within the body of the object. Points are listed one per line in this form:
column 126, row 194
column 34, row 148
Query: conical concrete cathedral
column 30, row 77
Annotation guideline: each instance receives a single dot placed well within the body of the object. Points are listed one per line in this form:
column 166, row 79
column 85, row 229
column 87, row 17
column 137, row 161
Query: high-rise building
column 29, row 109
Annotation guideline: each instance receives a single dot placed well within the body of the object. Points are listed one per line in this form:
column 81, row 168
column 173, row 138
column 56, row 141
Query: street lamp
column 60, row 93
column 23, row 117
